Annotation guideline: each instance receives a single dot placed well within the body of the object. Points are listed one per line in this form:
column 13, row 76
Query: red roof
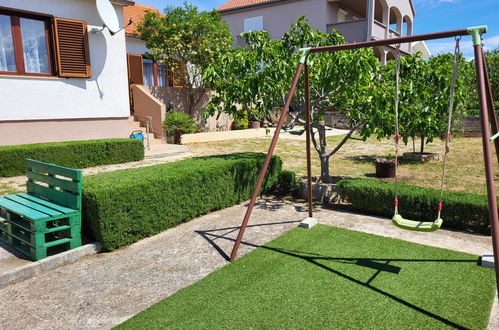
column 231, row 4
column 136, row 12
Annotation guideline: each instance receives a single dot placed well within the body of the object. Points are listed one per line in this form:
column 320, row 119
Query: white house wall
column 134, row 45
column 104, row 95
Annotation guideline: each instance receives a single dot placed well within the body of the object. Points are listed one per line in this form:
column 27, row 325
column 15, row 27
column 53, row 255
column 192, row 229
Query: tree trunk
column 422, row 144
column 323, row 155
column 325, row 178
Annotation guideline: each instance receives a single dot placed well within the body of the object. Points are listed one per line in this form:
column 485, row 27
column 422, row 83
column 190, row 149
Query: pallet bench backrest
column 60, row 185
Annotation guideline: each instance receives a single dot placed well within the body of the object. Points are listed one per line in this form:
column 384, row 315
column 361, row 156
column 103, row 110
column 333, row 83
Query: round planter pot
column 324, row 193
column 421, row 157
column 385, row 170
column 255, row 124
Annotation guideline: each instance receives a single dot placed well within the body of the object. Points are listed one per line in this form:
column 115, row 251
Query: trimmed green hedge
column 463, row 211
column 287, row 184
column 122, row 207
column 76, row 154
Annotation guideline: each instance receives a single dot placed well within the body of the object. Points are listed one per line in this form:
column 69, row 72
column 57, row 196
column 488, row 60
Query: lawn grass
column 328, row 277
column 465, row 168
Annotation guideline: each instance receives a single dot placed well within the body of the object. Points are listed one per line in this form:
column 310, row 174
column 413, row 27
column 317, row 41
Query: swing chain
column 455, row 72
column 397, row 133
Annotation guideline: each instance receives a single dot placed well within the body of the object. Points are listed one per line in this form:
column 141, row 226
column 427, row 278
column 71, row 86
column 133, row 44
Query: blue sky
column 431, row 16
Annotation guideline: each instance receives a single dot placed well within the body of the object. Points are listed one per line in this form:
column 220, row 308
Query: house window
column 253, row 24
column 24, row 45
column 34, row 44
column 149, row 72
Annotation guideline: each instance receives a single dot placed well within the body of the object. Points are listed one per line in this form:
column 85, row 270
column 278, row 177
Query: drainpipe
column 369, row 19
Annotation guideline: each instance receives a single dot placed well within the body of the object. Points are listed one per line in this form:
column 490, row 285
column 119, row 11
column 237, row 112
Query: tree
column 469, row 77
column 257, row 77
column 352, row 82
column 187, row 41
column 424, row 95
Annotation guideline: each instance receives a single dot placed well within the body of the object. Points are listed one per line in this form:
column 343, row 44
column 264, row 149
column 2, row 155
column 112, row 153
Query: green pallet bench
column 48, row 215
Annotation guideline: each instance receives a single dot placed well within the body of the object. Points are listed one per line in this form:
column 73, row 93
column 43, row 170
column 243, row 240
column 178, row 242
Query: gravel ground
column 103, row 290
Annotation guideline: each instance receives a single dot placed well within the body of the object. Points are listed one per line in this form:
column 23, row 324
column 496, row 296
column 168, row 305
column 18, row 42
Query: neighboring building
column 357, row 20
column 62, row 77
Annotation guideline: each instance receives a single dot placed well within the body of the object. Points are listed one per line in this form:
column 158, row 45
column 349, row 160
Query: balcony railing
column 353, row 31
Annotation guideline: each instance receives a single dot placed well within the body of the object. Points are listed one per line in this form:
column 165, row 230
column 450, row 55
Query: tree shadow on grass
column 378, row 264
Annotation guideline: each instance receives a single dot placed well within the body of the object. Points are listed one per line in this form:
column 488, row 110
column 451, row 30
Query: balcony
column 353, row 31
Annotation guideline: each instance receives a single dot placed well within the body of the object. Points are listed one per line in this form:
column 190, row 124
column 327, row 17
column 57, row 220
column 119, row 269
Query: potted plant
column 385, row 168
column 254, row 115
column 176, row 124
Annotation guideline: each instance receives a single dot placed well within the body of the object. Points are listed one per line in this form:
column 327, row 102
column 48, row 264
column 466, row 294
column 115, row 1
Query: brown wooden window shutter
column 135, row 69
column 177, row 76
column 71, row 39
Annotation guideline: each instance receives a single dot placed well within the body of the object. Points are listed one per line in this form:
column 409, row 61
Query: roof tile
column 231, row 4
column 136, row 12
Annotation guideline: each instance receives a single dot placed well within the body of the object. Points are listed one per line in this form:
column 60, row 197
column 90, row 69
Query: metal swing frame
column 487, row 117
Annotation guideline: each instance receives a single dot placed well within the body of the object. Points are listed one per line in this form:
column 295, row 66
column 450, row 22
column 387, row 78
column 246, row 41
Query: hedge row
column 122, row 207
column 76, row 154
column 463, row 211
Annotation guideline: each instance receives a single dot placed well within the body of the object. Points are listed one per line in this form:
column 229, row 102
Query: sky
column 431, row 16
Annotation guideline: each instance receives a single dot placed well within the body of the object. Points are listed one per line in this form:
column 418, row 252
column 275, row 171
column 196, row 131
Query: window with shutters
column 34, row 44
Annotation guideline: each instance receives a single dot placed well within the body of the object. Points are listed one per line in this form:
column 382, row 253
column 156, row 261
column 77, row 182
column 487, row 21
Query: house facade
column 357, row 20
column 62, row 75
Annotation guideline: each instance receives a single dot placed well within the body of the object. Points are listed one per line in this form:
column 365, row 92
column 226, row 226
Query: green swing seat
column 424, row 226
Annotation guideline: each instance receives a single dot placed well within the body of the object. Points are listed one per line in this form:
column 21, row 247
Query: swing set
column 487, row 117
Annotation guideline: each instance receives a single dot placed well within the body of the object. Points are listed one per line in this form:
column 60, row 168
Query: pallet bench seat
column 48, row 215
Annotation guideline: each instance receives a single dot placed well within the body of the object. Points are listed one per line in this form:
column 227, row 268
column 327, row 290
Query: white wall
column 103, row 95
column 135, row 45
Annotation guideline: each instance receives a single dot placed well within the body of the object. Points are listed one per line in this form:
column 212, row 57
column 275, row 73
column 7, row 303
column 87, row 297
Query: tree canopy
column 187, row 41
column 257, row 78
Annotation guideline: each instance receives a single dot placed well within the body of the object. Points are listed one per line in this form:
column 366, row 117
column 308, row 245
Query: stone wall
column 336, row 120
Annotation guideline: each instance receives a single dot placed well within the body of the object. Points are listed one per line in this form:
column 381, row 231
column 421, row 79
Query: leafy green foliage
column 184, row 37
column 464, row 211
column 287, row 184
column 75, row 154
column 122, row 207
column 469, row 76
column 349, row 280
column 240, row 120
column 178, row 123
column 259, row 76
column 424, row 95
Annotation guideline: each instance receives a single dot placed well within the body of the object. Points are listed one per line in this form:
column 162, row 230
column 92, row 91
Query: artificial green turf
column 335, row 278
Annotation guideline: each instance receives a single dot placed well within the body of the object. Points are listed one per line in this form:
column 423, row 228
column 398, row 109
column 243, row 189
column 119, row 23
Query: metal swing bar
column 487, row 115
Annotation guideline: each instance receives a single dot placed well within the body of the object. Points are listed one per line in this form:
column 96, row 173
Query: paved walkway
column 103, row 290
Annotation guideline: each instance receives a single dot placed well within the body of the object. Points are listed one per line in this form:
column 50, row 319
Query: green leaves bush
column 178, row 123
column 287, row 184
column 461, row 210
column 122, row 207
column 76, row 154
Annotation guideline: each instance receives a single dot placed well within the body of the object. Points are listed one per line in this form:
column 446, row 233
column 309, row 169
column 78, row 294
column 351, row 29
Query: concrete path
column 103, row 290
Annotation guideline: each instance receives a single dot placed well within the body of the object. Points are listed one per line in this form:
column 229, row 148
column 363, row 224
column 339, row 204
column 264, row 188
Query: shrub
column 287, row 184
column 76, row 154
column 178, row 123
column 464, row 211
column 240, row 121
column 122, row 207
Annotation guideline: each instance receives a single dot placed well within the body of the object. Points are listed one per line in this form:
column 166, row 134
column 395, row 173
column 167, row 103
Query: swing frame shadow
column 487, row 116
